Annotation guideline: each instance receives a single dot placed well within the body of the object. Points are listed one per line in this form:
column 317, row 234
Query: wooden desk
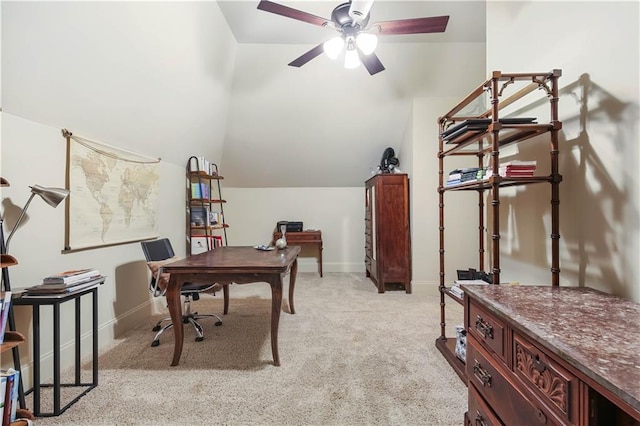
column 308, row 237
column 233, row 265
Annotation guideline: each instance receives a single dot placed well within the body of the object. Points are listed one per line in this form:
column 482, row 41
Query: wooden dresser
column 551, row 355
column 387, row 233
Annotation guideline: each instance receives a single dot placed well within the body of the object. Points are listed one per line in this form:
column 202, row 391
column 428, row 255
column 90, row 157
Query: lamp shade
column 51, row 196
column 351, row 59
column 367, row 42
column 333, row 47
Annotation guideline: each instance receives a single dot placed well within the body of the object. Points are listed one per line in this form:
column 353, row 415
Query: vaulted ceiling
column 321, row 124
column 175, row 79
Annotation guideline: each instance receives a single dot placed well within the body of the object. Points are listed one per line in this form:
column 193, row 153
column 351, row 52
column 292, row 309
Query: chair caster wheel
column 156, row 328
column 218, row 323
column 155, row 343
column 199, row 339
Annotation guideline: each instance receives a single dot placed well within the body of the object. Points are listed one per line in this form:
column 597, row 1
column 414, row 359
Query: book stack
column 457, row 291
column 199, row 164
column 5, row 302
column 517, row 169
column 200, row 190
column 468, row 174
column 9, row 381
column 65, row 282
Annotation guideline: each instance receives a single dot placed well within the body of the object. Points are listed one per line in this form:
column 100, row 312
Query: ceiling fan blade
column 434, row 24
column 300, row 61
column 278, row 9
column 371, row 62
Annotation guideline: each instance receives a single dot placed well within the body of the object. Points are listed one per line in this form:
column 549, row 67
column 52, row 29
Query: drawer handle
column 484, row 328
column 479, row 420
column 481, row 374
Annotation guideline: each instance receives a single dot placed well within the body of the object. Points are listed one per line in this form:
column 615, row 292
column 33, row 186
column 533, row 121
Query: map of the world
column 114, row 196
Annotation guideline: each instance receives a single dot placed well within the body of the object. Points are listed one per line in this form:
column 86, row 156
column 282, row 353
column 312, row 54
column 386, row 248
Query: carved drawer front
column 497, row 385
column 480, row 414
column 487, row 329
column 551, row 382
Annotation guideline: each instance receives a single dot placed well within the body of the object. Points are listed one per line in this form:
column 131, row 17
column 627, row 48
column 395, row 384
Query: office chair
column 158, row 250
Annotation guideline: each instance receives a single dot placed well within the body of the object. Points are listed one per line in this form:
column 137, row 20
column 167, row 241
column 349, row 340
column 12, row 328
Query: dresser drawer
column 480, row 414
column 513, row 405
column 487, row 329
column 552, row 383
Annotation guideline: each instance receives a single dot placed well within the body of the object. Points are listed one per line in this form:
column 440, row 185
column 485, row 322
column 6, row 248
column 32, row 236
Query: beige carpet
column 350, row 356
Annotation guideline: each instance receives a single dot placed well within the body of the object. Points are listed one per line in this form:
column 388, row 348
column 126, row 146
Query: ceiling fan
column 358, row 39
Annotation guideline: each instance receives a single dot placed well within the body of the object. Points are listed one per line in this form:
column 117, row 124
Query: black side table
column 55, row 301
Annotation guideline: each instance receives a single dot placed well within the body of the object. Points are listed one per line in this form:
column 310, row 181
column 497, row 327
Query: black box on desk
column 294, row 226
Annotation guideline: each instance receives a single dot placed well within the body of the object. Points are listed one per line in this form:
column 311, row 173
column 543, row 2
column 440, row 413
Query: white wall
column 152, row 78
column 596, row 44
column 252, row 214
column 460, row 219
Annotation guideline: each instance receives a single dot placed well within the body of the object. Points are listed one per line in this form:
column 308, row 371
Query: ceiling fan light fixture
column 333, row 47
column 360, row 9
column 367, row 42
column 351, row 58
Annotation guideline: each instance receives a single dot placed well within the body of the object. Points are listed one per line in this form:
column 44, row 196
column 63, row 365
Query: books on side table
column 65, row 282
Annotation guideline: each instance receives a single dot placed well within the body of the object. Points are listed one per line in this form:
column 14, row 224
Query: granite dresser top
column 597, row 333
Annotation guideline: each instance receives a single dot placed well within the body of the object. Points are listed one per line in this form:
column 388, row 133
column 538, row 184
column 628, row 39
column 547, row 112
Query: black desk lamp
column 52, row 196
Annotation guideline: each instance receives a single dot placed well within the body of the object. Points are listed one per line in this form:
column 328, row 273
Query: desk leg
column 36, row 360
column 78, row 359
column 175, row 310
column 225, row 293
column 94, row 303
column 56, row 358
column 292, row 284
column 276, row 307
column 320, row 260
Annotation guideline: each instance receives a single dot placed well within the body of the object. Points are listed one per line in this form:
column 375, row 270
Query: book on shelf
column 10, row 396
column 3, row 391
column 461, row 282
column 71, row 276
column 456, row 291
column 9, row 383
column 5, row 303
column 199, row 164
column 200, row 190
column 519, row 163
column 199, row 216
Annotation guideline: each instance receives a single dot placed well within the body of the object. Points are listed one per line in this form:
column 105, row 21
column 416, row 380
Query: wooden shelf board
column 451, row 295
column 196, row 175
column 11, row 340
column 7, row 260
column 447, row 347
